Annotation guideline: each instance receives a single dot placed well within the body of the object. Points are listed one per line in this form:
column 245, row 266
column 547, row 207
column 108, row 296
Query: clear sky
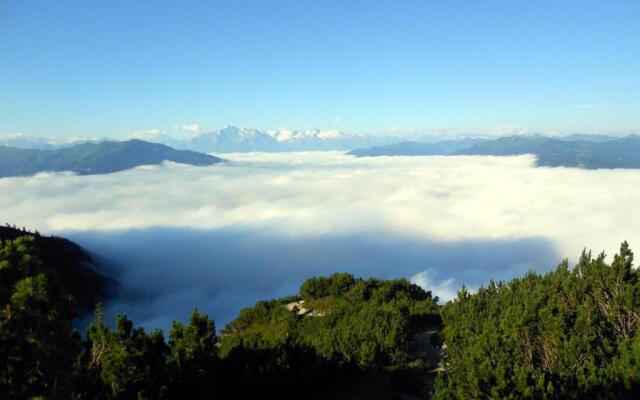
column 112, row 67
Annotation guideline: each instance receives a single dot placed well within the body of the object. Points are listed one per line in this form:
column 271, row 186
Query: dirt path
column 431, row 355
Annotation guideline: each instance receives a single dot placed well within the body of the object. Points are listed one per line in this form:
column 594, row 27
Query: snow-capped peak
column 284, row 135
column 331, row 134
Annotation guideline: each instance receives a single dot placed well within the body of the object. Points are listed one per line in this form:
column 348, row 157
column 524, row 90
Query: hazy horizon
column 192, row 131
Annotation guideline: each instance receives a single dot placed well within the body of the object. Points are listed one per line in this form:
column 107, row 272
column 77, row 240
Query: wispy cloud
column 147, row 134
column 190, row 128
column 507, row 130
column 599, row 106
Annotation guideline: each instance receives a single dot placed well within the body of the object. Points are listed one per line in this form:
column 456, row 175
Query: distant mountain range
column 26, row 156
column 580, row 151
column 95, row 158
column 233, row 139
column 230, row 139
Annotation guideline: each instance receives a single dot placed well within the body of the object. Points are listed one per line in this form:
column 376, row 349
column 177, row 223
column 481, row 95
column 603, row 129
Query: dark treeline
column 340, row 331
column 72, row 266
column 570, row 333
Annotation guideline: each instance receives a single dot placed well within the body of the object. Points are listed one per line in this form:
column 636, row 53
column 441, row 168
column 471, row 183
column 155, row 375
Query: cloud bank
column 221, row 237
column 165, row 272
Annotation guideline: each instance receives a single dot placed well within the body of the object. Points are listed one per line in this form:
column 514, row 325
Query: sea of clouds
column 254, row 227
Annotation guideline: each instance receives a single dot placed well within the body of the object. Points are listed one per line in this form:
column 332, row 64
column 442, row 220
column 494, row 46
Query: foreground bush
column 571, row 333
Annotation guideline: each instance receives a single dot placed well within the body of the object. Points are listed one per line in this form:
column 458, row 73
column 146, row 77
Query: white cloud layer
column 429, row 208
column 436, row 198
column 11, row 135
column 147, row 134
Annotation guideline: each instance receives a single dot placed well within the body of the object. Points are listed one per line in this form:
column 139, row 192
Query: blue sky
column 109, row 68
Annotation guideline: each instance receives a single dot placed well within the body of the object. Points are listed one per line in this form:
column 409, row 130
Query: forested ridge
column 95, row 158
column 569, row 333
column 581, row 151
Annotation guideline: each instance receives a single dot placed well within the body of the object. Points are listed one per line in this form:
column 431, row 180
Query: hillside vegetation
column 570, row 333
column 72, row 266
column 351, row 332
column 359, row 328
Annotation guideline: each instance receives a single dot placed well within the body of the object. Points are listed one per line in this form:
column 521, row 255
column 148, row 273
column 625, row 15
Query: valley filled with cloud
column 254, row 227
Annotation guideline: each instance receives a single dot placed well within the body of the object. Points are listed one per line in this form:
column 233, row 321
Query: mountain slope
column 95, row 158
column 416, row 149
column 551, row 152
column 587, row 137
column 620, row 153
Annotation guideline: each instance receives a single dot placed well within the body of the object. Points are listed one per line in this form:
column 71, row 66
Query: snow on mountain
column 316, row 139
column 283, row 135
column 234, row 139
column 225, row 140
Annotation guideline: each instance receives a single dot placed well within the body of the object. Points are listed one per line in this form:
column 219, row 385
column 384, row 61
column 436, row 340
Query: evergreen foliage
column 73, row 267
column 37, row 341
column 340, row 329
column 349, row 321
column 571, row 333
column 568, row 334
